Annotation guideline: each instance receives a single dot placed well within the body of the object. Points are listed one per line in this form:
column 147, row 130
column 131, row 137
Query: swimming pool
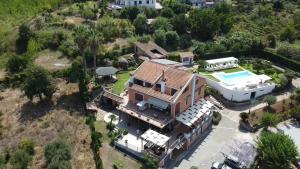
column 234, row 78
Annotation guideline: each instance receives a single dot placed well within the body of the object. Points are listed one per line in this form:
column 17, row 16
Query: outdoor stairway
column 215, row 102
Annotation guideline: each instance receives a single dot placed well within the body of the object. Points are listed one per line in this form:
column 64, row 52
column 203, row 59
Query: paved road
column 210, row 149
column 292, row 129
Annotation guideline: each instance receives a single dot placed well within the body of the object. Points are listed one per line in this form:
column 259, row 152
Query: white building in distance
column 141, row 3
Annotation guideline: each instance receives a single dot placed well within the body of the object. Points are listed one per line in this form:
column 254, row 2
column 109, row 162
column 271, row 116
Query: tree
column 172, row 39
column 20, row 159
column 38, row 82
column 95, row 38
column 244, row 116
column 57, row 150
column 129, row 12
column 81, row 40
column 180, row 23
column 58, row 164
column 160, row 37
column 140, row 24
column 24, row 36
column 239, row 41
column 271, row 40
column 204, row 23
column 278, row 6
column 167, row 13
column 276, row 150
column 16, row 64
column 200, row 49
column 269, row 120
column 27, row 146
column 288, row 33
column 161, row 23
column 270, row 99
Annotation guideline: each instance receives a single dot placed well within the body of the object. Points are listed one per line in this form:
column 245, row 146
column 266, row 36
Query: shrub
column 269, row 120
column 20, row 159
column 16, row 64
column 216, row 117
column 295, row 113
column 57, row 150
column 58, row 164
column 288, row 33
column 27, row 145
column 174, row 57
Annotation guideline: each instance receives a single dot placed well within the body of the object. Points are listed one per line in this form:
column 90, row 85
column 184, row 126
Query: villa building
column 168, row 100
column 144, row 3
column 201, row 3
column 237, row 86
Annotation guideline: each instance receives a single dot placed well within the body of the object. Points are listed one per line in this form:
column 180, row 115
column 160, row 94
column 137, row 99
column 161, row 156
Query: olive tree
column 38, row 82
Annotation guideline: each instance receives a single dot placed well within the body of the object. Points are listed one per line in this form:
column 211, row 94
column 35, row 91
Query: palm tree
column 94, row 40
column 81, row 39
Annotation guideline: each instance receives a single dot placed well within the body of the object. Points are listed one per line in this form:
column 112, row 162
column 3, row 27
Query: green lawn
column 119, row 86
column 232, row 70
column 100, row 126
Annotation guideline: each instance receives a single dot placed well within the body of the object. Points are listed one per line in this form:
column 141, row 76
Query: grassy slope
column 13, row 12
column 122, row 77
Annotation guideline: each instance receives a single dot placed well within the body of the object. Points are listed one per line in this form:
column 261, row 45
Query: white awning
column 155, row 138
column 194, row 113
column 158, row 103
column 221, row 60
column 264, row 77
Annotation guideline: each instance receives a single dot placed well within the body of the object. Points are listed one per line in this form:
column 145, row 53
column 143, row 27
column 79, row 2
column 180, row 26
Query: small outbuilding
column 186, row 58
column 106, row 73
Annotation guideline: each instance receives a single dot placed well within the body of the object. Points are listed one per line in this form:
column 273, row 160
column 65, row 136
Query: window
column 138, row 97
column 186, row 89
column 197, row 81
column 187, row 99
column 186, row 59
column 140, row 2
column 173, row 91
column 135, row 2
column 147, row 2
column 138, row 82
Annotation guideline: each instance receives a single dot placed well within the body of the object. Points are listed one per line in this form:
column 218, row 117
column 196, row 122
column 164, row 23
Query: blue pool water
column 242, row 74
column 233, row 78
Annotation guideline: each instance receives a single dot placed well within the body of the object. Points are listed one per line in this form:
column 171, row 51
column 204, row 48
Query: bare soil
column 52, row 60
column 46, row 121
column 278, row 108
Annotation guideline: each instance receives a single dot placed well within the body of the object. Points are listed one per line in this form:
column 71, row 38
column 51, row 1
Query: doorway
column 252, row 95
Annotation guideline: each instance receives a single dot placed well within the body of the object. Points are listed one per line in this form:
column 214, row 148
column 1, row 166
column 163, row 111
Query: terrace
column 152, row 116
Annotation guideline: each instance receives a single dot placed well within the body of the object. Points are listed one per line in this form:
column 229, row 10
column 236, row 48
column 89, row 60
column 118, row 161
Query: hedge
column 263, row 54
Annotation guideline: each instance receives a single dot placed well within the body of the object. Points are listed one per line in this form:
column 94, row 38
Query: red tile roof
column 152, row 72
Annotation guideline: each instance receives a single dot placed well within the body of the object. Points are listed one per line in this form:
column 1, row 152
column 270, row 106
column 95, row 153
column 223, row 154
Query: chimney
column 163, row 83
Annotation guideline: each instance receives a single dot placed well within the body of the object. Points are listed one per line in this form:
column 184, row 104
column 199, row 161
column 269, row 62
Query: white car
column 217, row 165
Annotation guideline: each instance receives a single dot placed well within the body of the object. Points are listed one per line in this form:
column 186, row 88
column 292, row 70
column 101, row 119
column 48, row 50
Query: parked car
column 218, row 165
column 298, row 163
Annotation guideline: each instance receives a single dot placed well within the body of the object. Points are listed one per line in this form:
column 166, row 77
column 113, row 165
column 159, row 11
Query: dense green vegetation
column 276, row 150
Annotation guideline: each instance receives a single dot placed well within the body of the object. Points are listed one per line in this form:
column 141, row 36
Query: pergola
column 106, row 72
column 222, row 63
column 194, row 113
column 155, row 138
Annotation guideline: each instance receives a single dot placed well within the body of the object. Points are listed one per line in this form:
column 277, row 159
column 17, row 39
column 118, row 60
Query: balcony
column 149, row 115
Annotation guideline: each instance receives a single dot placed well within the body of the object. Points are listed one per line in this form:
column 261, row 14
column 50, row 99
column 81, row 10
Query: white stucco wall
column 239, row 95
column 146, row 3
